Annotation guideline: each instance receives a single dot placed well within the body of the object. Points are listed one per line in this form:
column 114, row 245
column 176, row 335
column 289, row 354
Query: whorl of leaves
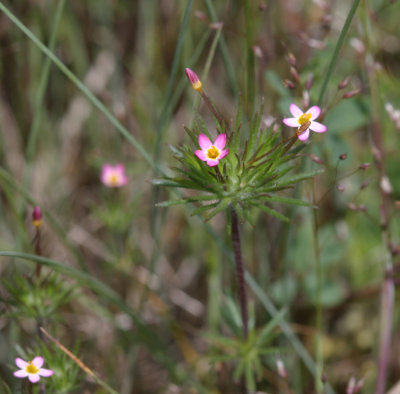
column 254, row 173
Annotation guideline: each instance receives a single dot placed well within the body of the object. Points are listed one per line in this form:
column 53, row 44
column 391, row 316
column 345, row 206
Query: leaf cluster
column 255, row 173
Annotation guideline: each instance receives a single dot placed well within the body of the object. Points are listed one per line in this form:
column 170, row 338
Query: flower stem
column 239, row 270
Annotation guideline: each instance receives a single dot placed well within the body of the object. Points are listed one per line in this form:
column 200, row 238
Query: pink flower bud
column 281, row 368
column 343, row 156
column 351, row 94
column 343, row 84
column 194, row 80
column 365, row 166
column 289, row 84
column 37, row 216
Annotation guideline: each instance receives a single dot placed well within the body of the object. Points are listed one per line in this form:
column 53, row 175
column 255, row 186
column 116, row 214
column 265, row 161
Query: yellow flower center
column 114, row 180
column 31, row 368
column 304, row 119
column 212, row 152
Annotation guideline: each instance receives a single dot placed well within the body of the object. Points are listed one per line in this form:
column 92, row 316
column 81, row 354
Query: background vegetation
column 139, row 293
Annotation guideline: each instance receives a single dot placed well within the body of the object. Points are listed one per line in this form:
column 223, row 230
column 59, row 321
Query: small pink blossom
column 212, row 153
column 300, row 119
column 32, row 369
column 113, row 176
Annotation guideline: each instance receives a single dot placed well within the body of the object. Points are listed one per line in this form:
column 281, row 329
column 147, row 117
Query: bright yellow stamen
column 197, row 86
column 212, row 152
column 31, row 368
column 304, row 119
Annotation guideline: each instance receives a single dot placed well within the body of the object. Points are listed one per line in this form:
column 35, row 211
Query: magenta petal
column 291, row 122
column 295, row 110
column 38, row 361
column 45, row 372
column 314, row 111
column 212, row 163
column 220, row 142
column 20, row 374
column 201, row 154
column 119, row 168
column 204, row 142
column 304, row 136
column 34, row 378
column 20, row 363
column 223, row 154
column 318, row 127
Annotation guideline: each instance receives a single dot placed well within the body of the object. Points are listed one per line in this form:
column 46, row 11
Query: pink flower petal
column 204, row 141
column 45, row 372
column 295, row 110
column 38, row 361
column 318, row 127
column 220, row 142
column 212, row 163
column 20, row 363
column 223, row 154
column 34, row 378
column 291, row 122
column 314, row 111
column 304, row 136
column 20, row 374
column 201, row 154
column 119, row 168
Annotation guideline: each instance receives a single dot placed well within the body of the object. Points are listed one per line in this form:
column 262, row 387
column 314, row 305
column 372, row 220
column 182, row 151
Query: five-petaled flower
column 32, row 369
column 300, row 120
column 113, row 176
column 210, row 152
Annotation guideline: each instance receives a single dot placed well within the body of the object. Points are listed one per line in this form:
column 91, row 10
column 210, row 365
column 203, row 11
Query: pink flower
column 301, row 119
column 32, row 369
column 113, row 176
column 212, row 153
column 193, row 79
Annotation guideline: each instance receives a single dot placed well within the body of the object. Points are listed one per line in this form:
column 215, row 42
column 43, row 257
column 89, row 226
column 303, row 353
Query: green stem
column 318, row 317
column 338, row 46
column 224, row 52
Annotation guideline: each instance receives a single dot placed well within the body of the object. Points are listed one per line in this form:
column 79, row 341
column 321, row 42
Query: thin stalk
column 224, row 52
column 338, row 46
column 250, row 80
column 239, row 270
column 44, row 78
column 318, row 310
column 377, row 147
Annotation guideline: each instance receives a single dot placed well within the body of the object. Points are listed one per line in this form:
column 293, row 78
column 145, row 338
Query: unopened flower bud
column 365, row 166
column 305, row 99
column 37, row 217
column 365, row 184
column 194, row 80
column 351, row 385
column 289, row 84
column 343, row 84
column 359, row 386
column 316, row 159
column 281, row 368
column 295, row 74
column 257, row 51
column 351, row 94
column 310, row 81
column 340, row 188
column 291, row 59
column 385, row 185
column 343, row 156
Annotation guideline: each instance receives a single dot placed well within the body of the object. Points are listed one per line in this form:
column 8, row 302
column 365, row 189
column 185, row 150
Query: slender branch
column 239, row 270
column 338, row 46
